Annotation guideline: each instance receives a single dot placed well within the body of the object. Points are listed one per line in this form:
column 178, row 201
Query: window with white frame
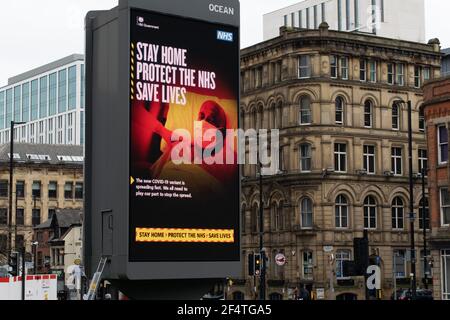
column 442, row 144
column 340, row 108
column 369, row 159
column 445, row 269
column 308, row 265
column 370, row 213
column 341, row 212
column 340, row 157
column 398, row 210
column 341, row 256
column 304, row 66
column 305, row 157
column 70, row 128
column 50, row 132
column 391, row 73
column 421, row 119
column 445, row 207
column 399, row 263
column 368, row 114
column 362, row 70
column 400, row 74
column 396, row 115
column 417, row 76
column 396, row 161
column 426, row 74
column 60, row 129
column 305, row 110
column 306, row 214
column 344, row 68
column 41, row 132
column 373, row 71
column 424, row 214
column 423, row 161
column 334, row 66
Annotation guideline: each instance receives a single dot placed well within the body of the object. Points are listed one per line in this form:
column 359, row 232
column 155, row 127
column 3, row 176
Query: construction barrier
column 37, row 287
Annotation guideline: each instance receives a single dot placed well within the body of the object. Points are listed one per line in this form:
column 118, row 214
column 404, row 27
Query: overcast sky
column 33, row 33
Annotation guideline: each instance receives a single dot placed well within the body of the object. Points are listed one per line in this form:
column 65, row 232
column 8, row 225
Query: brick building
column 437, row 115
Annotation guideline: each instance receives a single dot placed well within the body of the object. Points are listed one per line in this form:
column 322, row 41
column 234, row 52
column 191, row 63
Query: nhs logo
column 224, row 36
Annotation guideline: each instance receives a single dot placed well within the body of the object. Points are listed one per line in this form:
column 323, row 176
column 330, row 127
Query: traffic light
column 258, row 264
column 14, row 264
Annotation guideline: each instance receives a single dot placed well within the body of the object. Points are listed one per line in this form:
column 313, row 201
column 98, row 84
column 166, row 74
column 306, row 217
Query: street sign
column 328, row 249
column 280, row 259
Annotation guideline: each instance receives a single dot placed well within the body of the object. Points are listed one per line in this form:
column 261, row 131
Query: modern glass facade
column 50, row 103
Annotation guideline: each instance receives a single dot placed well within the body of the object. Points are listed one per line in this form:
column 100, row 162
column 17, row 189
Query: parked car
column 421, row 295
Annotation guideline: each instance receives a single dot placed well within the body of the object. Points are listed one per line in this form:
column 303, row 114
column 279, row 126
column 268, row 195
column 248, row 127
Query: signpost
column 160, row 77
column 280, row 259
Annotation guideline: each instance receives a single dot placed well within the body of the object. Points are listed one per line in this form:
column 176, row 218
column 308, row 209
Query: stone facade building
column 335, row 97
column 437, row 114
column 46, row 178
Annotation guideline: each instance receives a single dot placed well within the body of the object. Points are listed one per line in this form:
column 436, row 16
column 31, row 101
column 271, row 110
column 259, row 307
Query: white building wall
column 399, row 19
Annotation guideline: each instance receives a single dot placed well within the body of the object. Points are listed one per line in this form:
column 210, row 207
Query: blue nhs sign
column 224, row 36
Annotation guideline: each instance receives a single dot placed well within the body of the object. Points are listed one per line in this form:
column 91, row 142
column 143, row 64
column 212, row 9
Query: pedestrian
column 304, row 294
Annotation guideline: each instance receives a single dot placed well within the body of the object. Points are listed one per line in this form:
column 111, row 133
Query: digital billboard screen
column 184, row 176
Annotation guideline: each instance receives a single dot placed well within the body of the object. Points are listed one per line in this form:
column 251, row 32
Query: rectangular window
column 304, row 63
column 423, row 161
column 43, row 95
column 340, row 157
column 2, row 111
column 83, row 83
column 34, row 100
column 372, row 71
column 36, row 217
column 400, row 74
column 334, row 66
column 396, row 161
column 300, row 19
column 445, row 269
column 356, row 14
column 82, row 127
column 341, row 256
column 4, row 187
column 362, row 70
column 400, row 264
column 285, row 20
column 339, row 5
column 316, row 23
column 3, row 216
column 323, row 12
column 20, row 189
column 391, row 73
column 417, row 76
column 424, row 214
column 344, row 68
column 347, row 14
column 258, row 77
column 25, row 102
column 79, row 190
column 17, row 95
column 53, row 190
column 308, row 265
column 62, row 91
column 36, row 189
column 292, row 19
column 9, row 107
column 53, row 94
column 443, row 144
column 445, row 207
column 308, row 19
column 68, row 190
column 305, row 158
column 19, row 241
column 20, row 217
column 426, row 72
column 369, row 159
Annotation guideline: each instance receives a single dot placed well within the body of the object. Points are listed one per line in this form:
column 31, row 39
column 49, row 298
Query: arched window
column 340, row 106
column 254, row 119
column 368, row 114
column 305, row 157
column 398, row 214
column 276, row 217
column 424, row 215
column 370, row 213
column 396, row 115
column 306, row 213
column 341, row 212
column 421, row 119
column 255, row 218
column 243, row 219
column 305, row 110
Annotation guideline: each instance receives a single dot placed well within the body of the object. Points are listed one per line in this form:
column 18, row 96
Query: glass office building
column 50, row 99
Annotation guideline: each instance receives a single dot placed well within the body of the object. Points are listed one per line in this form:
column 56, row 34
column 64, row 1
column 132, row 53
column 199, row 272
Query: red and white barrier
column 39, row 287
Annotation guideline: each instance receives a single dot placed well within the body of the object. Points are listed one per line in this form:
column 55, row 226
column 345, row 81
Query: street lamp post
column 262, row 286
column 11, row 176
column 411, row 201
column 424, row 225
